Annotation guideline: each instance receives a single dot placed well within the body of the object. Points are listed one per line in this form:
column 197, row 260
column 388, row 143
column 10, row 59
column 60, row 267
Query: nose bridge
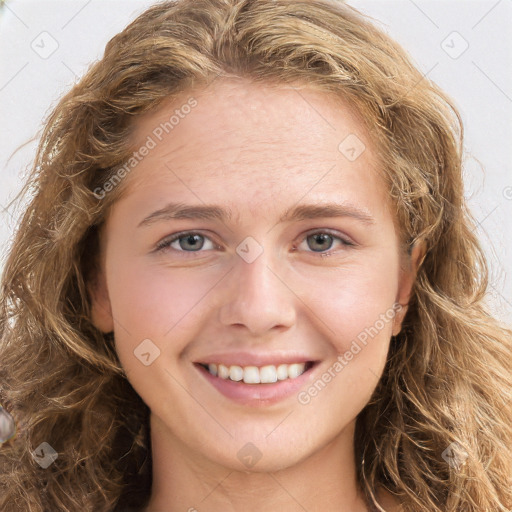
column 258, row 299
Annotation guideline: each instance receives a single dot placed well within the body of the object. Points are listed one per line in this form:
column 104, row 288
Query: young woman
column 247, row 280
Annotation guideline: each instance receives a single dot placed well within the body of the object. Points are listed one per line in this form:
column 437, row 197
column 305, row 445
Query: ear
column 101, row 310
column 407, row 277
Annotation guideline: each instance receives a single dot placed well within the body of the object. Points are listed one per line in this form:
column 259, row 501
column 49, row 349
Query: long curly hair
column 446, row 391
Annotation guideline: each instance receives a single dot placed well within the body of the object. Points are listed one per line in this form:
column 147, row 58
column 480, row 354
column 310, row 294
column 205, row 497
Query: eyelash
column 164, row 245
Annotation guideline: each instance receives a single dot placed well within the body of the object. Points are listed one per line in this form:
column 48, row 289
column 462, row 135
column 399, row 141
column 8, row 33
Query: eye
column 323, row 240
column 189, row 241
column 193, row 241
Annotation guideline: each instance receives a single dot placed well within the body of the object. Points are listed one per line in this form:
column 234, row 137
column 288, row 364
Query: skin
column 258, row 150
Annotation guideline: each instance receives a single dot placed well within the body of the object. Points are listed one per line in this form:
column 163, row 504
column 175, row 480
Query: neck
column 185, row 480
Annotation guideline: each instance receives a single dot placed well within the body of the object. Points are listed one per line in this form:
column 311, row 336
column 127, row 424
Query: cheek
column 354, row 301
column 155, row 302
column 358, row 311
column 359, row 316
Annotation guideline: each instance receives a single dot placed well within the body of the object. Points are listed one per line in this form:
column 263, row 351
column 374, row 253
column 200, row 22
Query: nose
column 258, row 298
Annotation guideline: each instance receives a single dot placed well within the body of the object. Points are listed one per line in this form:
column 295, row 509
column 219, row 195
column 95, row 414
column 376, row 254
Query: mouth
column 267, row 374
column 257, row 385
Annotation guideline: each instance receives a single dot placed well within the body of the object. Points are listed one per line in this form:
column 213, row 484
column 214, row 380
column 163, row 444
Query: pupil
column 322, row 237
column 192, row 239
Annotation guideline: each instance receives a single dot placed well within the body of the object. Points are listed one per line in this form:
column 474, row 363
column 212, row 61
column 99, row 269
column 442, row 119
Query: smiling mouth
column 267, row 374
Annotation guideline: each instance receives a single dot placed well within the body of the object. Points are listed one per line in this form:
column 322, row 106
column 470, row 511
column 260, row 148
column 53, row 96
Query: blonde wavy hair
column 447, row 381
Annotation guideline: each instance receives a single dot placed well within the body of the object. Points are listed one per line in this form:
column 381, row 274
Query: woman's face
column 288, row 270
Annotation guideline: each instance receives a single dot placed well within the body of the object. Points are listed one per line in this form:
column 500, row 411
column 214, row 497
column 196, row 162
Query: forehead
column 237, row 139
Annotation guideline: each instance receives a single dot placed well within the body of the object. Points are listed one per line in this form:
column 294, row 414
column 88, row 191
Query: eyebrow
column 300, row 212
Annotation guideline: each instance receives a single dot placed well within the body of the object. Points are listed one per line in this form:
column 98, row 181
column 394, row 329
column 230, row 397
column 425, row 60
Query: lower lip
column 257, row 394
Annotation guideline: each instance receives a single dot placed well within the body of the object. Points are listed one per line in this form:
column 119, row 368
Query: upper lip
column 255, row 359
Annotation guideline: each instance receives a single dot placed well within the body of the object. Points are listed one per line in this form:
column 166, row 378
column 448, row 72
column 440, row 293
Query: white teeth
column 256, row 375
column 268, row 374
column 294, row 370
column 282, row 371
column 223, row 371
column 236, row 373
column 251, row 375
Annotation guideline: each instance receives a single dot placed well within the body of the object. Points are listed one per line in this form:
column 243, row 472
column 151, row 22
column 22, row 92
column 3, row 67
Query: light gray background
column 45, row 46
